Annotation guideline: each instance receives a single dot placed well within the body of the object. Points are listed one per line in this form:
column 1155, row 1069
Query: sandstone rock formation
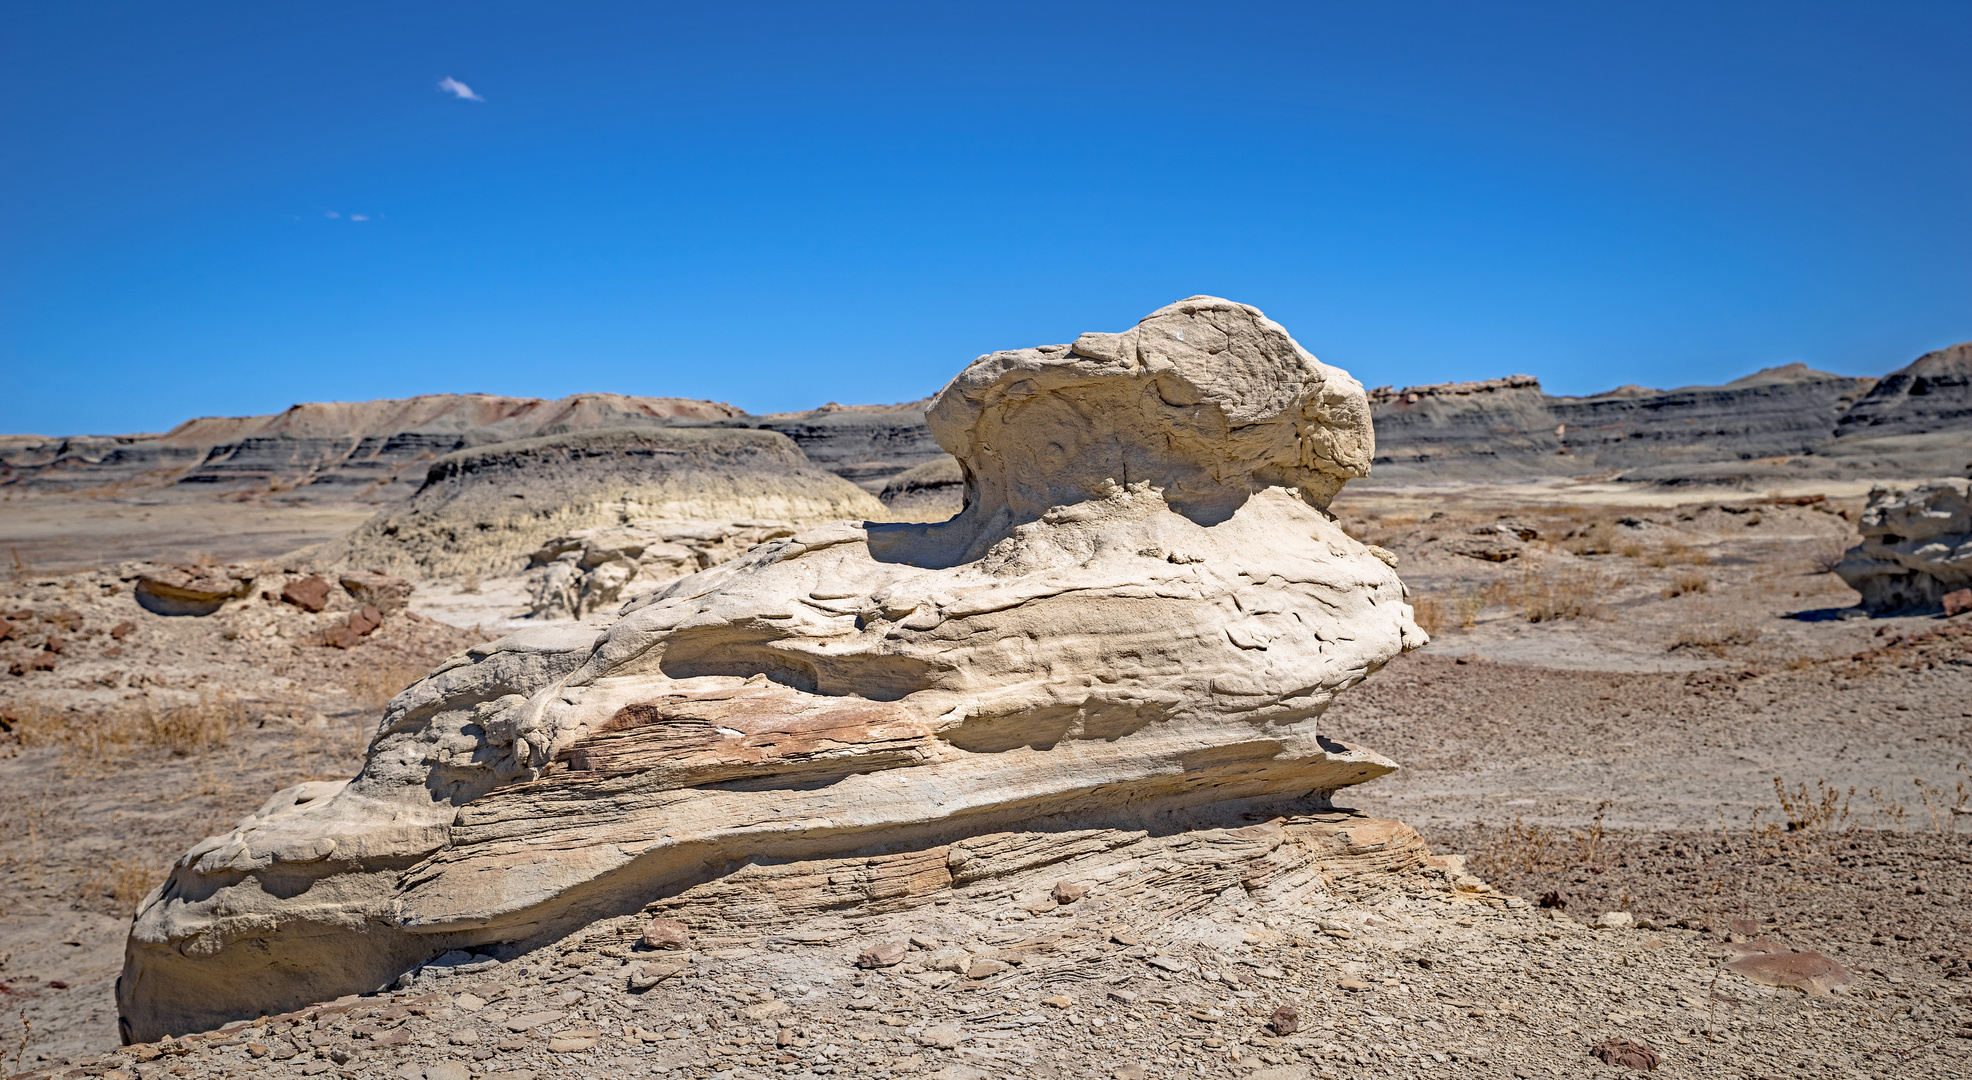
column 190, row 590
column 1916, row 547
column 1130, row 629
column 589, row 570
column 488, row 510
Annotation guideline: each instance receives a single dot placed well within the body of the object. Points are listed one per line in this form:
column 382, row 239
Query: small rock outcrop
column 1916, row 547
column 487, row 510
column 1130, row 629
column 589, row 570
column 190, row 590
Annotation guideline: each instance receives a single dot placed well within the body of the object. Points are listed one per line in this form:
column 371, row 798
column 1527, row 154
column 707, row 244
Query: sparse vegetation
column 1557, row 595
column 1714, row 637
column 133, row 725
column 1685, row 582
column 374, row 685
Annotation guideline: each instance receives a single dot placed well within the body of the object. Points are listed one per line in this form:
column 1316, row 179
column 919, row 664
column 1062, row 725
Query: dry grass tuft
column 1688, row 581
column 1674, row 553
column 1551, row 597
column 1714, row 638
column 132, row 726
column 373, row 686
column 122, row 883
column 1431, row 613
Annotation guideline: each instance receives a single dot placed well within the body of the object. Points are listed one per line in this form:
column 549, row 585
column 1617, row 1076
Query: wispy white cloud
column 457, row 89
column 359, row 217
column 332, row 214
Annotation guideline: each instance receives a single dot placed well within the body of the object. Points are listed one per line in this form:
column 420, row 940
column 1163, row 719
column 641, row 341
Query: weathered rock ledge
column 1128, row 631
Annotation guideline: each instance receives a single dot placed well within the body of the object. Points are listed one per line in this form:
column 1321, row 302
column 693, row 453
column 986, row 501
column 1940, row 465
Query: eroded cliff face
column 1509, row 427
column 332, row 447
column 1140, row 613
column 1932, row 393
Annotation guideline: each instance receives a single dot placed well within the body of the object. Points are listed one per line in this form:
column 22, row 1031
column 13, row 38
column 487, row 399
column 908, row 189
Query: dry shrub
column 132, row 726
column 1595, row 538
column 1518, row 847
column 1676, row 553
column 1688, row 581
column 1551, row 597
column 1821, row 810
column 1827, row 557
column 1714, row 638
column 119, row 884
column 1431, row 613
column 374, row 685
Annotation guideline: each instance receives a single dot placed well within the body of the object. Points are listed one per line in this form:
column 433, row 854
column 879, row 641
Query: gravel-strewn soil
column 1602, row 715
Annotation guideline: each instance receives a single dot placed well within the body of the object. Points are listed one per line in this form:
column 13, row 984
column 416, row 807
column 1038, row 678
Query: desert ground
column 1650, row 701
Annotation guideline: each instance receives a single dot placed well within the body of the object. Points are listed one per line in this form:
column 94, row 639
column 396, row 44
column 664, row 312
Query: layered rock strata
column 1131, row 627
column 488, row 510
column 1916, row 547
column 331, row 446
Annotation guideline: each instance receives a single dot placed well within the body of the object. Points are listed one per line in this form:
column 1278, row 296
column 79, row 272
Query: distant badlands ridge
column 1778, row 424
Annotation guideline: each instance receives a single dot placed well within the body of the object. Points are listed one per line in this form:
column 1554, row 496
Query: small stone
column 1059, row 1001
column 1129, row 1072
column 511, row 1043
column 1169, row 963
column 447, row 1070
column 463, row 1037
column 1355, row 986
column 666, row 934
column 1125, row 938
column 574, row 1040
column 986, row 969
column 309, row 594
column 949, row 960
column 532, row 1020
column 764, row 1010
column 1615, row 920
column 1067, row 892
column 943, row 1037
column 883, row 955
column 1127, row 997
column 1625, row 1054
column 469, row 1002
column 258, row 1050
column 1285, row 1021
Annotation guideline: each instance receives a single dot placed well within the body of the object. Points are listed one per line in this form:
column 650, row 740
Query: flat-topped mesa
column 1133, row 625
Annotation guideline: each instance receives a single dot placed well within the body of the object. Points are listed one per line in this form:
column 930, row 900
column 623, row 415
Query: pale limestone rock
column 1134, row 623
column 1916, row 547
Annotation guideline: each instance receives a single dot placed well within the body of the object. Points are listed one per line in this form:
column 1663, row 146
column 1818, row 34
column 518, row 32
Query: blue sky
column 226, row 208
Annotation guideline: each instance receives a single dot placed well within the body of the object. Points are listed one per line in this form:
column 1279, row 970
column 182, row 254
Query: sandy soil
column 54, row 533
column 1617, row 680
